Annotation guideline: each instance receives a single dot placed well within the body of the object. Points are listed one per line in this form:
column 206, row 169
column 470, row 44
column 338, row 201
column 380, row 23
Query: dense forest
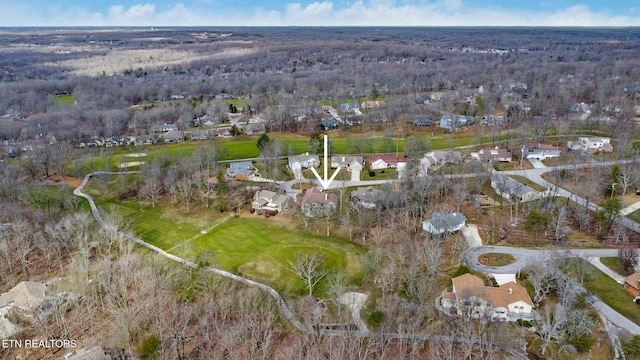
column 71, row 97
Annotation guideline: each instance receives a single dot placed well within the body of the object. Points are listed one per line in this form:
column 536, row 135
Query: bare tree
column 309, row 267
column 151, row 190
column 628, row 257
column 543, row 280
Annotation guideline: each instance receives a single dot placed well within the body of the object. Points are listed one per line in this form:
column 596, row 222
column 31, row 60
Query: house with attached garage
column 440, row 223
column 514, row 190
column 632, row 285
column 385, row 161
column 317, row 203
column 470, row 298
column 242, row 170
column 367, row 197
column 269, row 201
column 539, row 151
column 591, row 145
column 491, row 155
column 304, row 161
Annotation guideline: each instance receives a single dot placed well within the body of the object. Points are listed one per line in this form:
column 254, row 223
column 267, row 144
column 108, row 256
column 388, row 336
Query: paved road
column 527, row 257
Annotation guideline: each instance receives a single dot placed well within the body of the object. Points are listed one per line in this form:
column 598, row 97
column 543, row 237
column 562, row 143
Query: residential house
column 443, row 224
column 632, row 284
column 472, row 299
column 345, row 161
column 385, row 161
column 367, row 197
column 270, row 201
column 329, row 123
column 200, row 135
column 26, row 297
column 423, row 99
column 492, row 155
column 353, row 107
column 144, row 140
column 305, row 160
column 367, row 105
column 224, row 133
column 592, row 145
column 492, row 120
column 436, row 158
column 242, row 170
column 317, row 203
column 454, row 122
column 173, row 136
column 513, row 190
column 421, row 120
column 160, row 128
column 539, row 151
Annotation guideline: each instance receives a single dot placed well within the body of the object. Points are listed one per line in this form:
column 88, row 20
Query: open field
column 251, row 246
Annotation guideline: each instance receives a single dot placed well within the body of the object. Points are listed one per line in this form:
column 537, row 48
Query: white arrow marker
column 325, row 183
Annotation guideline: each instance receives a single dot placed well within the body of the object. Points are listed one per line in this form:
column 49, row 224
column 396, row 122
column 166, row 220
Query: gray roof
column 510, row 186
column 241, row 167
column 446, row 222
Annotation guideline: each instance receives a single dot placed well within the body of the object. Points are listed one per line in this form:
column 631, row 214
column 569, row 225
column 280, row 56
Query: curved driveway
column 526, row 257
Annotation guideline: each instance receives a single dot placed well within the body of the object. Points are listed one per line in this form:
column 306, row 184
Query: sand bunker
column 136, row 155
column 130, row 164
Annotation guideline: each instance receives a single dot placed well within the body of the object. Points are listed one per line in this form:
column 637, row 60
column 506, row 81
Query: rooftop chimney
column 510, row 291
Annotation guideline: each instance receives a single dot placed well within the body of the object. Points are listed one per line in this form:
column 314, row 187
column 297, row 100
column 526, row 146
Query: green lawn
column 607, row 290
column 614, row 264
column 66, row 99
column 261, row 249
column 254, row 247
column 243, row 147
column 496, row 259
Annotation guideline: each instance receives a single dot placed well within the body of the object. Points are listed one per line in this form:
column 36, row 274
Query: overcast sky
column 321, row 13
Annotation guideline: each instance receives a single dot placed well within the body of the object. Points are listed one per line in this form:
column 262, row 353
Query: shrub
column 461, row 270
column 376, row 318
column 149, row 348
column 582, row 343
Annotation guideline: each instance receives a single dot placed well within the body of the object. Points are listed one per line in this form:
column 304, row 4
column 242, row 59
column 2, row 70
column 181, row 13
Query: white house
column 385, row 161
column 495, row 154
column 539, row 151
column 305, row 160
column 592, row 145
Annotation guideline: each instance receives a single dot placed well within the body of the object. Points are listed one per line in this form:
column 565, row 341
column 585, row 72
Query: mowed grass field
column 252, row 246
column 244, row 147
column 262, row 249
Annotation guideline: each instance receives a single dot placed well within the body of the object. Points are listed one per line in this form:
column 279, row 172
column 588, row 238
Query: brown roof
column 470, row 285
column 466, row 285
column 506, row 294
column 633, row 280
column 317, row 196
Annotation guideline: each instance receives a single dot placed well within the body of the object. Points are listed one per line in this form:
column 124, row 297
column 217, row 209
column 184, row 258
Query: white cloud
column 324, row 12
